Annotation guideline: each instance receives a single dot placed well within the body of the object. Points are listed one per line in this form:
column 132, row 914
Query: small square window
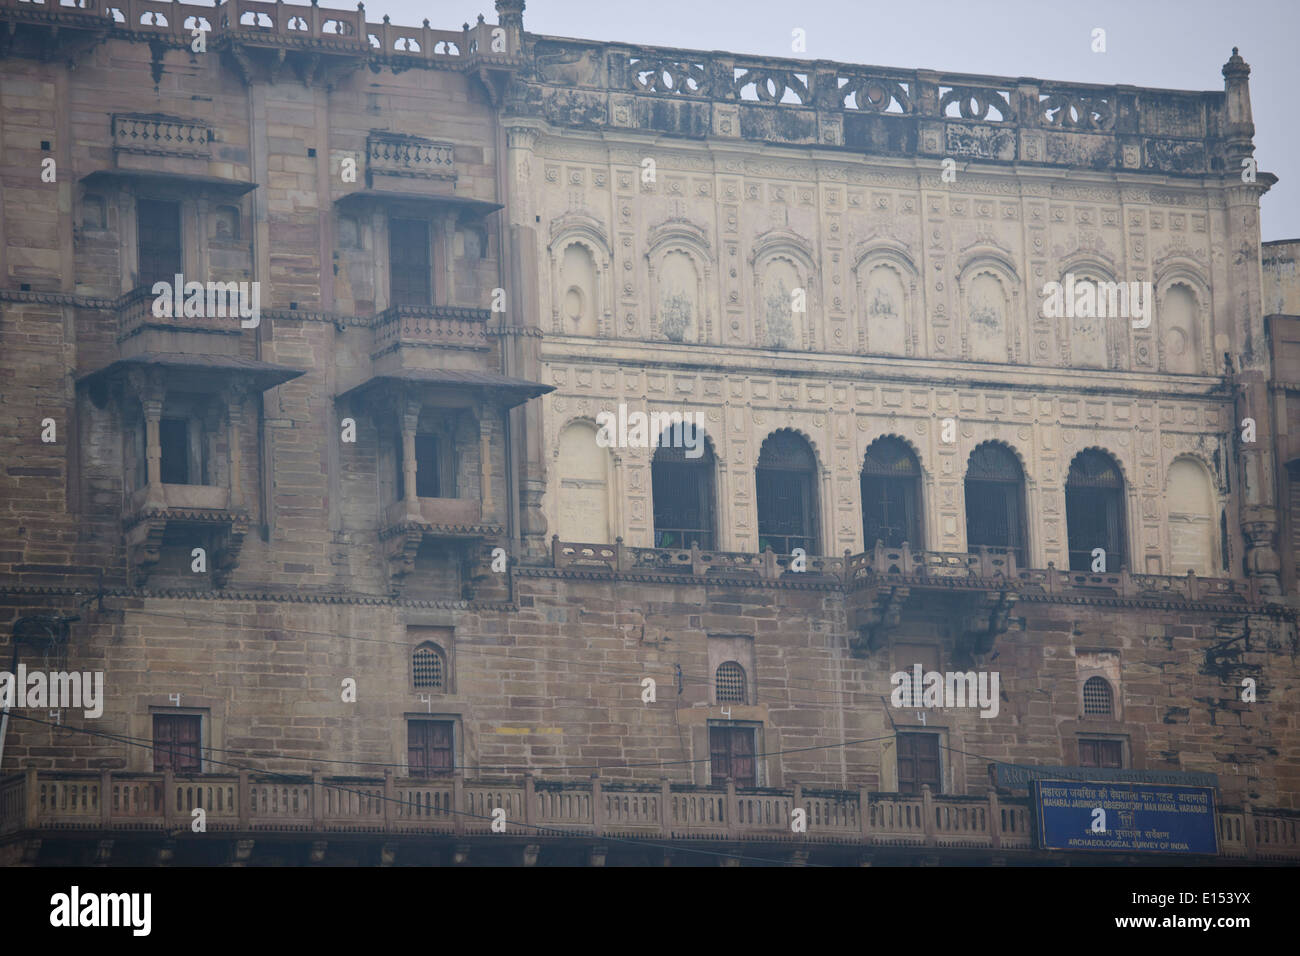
column 1096, row 752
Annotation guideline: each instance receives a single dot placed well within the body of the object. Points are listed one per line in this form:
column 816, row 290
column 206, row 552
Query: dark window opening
column 427, row 483
column 918, row 763
column 1094, row 511
column 891, row 495
column 408, row 262
column 429, row 747
column 785, row 486
column 174, row 437
column 1101, row 753
column 995, row 496
column 158, row 227
column 176, row 743
column 683, row 498
column 731, row 754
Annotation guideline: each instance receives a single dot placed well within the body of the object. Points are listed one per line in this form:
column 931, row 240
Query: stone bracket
column 873, row 622
column 980, row 627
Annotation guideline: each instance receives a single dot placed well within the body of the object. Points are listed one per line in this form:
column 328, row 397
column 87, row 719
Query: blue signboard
column 1125, row 817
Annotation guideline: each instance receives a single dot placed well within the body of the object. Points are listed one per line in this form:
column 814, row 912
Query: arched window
column 429, row 668
column 1094, row 511
column 1191, row 519
column 995, row 501
column 786, row 488
column 891, row 495
column 1098, row 699
column 729, row 681
column 683, row 491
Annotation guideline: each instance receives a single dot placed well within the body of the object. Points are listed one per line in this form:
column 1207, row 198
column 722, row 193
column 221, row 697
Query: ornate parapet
column 861, row 108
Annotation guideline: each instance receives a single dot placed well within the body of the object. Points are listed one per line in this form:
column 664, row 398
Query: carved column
column 408, row 421
column 524, row 307
column 148, row 388
column 234, row 398
column 1247, row 346
column 487, row 430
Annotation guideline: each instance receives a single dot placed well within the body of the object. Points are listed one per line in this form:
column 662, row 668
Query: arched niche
column 1193, row 526
column 887, row 309
column 584, row 473
column 987, row 296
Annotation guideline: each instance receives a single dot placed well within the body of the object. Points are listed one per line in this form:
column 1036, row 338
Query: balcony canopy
column 508, row 391
column 181, row 183
column 199, row 370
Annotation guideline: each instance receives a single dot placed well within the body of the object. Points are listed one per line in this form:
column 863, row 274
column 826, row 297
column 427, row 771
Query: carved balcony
column 155, row 134
column 412, row 328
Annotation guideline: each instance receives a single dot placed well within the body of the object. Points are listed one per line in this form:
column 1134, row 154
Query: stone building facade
column 360, row 571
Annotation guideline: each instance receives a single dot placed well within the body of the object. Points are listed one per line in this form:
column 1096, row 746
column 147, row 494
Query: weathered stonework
column 567, row 276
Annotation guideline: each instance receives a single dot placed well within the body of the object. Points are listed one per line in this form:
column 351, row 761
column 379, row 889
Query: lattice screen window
column 1098, row 700
column 430, row 668
column 730, row 682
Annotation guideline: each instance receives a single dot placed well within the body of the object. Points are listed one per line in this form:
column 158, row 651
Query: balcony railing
column 264, row 22
column 248, row 802
column 445, row 327
column 903, row 565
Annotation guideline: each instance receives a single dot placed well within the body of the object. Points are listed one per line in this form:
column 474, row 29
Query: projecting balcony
column 43, row 804
column 429, row 327
column 141, row 332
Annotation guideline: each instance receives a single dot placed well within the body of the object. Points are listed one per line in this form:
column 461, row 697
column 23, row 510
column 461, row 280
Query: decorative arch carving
column 872, row 300
column 681, row 309
column 987, row 332
column 769, row 251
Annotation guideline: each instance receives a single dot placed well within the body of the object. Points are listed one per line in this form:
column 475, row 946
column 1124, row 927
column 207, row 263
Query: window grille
column 158, row 231
column 429, row 669
column 730, row 683
column 1097, row 698
column 408, row 261
column 683, row 498
column 995, row 494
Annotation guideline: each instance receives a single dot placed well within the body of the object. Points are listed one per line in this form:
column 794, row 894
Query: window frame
column 428, row 290
column 431, row 720
column 732, row 731
column 1096, row 741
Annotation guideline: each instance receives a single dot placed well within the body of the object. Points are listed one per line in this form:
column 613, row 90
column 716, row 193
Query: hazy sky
column 1174, row 44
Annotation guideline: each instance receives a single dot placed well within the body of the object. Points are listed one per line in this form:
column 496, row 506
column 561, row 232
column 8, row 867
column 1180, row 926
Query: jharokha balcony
column 244, row 807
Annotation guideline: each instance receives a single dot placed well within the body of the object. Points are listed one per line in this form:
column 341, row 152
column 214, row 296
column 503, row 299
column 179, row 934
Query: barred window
column 1097, row 698
column 730, row 683
column 429, row 667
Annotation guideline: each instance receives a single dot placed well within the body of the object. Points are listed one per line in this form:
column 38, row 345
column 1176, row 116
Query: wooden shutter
column 731, row 754
column 918, row 763
column 176, row 742
column 429, row 747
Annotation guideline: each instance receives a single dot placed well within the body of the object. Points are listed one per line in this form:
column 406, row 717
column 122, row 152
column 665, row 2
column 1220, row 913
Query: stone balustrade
column 984, row 568
column 248, row 802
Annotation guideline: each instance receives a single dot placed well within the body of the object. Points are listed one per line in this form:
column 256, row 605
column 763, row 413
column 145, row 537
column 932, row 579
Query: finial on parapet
column 510, row 13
